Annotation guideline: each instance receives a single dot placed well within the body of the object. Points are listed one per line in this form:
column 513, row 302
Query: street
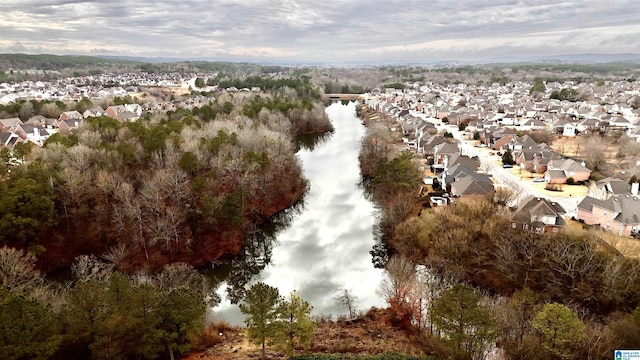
column 493, row 165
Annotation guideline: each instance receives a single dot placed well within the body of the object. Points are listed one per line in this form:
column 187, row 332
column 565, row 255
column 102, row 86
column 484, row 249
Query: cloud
column 308, row 30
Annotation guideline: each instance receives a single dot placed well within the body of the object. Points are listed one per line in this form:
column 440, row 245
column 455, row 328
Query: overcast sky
column 316, row 30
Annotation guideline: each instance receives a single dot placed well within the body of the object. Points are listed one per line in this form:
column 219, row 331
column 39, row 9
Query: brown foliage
column 472, row 241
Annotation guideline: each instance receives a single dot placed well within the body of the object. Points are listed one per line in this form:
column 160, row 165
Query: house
column 473, row 184
column 542, row 159
column 533, row 124
column 569, row 129
column 9, row 139
column 35, row 134
column 501, row 133
column 457, row 167
column 634, row 133
column 445, row 149
column 605, row 188
column 591, row 125
column 41, row 121
column 619, row 213
column 427, row 144
column 560, row 170
column 539, row 215
column 70, row 115
column 94, row 112
column 501, row 144
column 555, row 176
column 67, row 126
column 9, row 124
column 134, row 108
column 619, row 122
column 559, row 125
column 521, row 143
column 127, row 116
column 114, row 110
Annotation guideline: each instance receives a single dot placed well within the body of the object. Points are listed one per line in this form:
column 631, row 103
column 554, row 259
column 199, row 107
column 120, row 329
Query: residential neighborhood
column 97, row 88
column 484, row 122
column 93, row 87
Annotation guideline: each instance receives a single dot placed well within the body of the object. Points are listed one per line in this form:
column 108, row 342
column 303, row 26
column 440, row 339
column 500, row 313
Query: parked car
column 538, row 180
column 507, row 166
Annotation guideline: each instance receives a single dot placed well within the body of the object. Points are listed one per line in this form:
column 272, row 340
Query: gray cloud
column 327, row 31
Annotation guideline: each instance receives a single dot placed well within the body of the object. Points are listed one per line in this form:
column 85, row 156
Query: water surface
column 326, row 245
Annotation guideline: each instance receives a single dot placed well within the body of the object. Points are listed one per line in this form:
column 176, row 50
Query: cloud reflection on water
column 326, row 247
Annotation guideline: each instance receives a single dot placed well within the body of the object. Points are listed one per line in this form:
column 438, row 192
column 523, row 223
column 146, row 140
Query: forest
column 181, row 186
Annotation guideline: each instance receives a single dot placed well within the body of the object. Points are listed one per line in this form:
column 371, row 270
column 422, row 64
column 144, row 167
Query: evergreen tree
column 507, row 158
column 560, row 330
column 538, row 87
column 182, row 314
column 28, row 330
column 295, row 326
column 260, row 304
column 464, row 325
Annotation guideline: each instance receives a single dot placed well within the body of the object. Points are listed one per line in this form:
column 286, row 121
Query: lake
column 325, row 242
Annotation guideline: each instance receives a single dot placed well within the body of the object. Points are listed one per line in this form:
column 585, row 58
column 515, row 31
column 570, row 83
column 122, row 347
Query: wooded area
column 186, row 185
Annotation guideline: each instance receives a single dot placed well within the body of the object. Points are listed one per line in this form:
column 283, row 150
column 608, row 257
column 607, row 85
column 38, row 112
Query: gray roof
column 10, row 122
column 536, row 206
column 557, row 174
column 568, row 165
column 614, row 186
column 473, row 184
column 447, row 148
column 626, row 206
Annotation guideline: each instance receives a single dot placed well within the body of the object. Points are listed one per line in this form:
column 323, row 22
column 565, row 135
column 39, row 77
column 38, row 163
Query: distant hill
column 55, row 62
column 594, row 58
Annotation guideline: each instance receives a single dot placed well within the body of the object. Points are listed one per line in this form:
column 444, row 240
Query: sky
column 321, row 31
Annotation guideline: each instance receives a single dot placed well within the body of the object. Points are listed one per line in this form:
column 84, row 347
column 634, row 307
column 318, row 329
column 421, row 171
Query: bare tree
column 595, row 153
column 79, row 158
column 89, row 267
column 50, row 110
column 18, row 270
column 399, row 288
column 345, row 298
column 504, row 196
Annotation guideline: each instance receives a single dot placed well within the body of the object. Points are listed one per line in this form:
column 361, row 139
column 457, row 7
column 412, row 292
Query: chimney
column 634, row 189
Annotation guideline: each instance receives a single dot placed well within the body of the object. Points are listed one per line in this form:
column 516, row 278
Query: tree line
column 99, row 313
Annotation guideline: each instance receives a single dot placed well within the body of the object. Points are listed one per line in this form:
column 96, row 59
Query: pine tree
column 466, row 326
column 260, row 304
column 295, row 326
